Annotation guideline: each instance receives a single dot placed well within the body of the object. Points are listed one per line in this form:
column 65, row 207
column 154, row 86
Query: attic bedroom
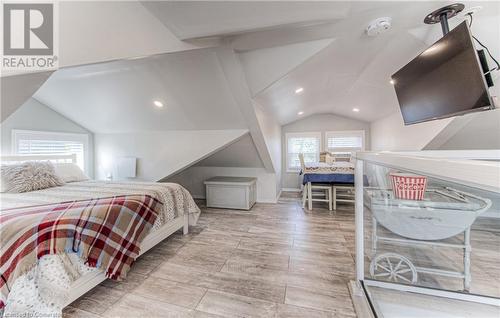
column 250, row 159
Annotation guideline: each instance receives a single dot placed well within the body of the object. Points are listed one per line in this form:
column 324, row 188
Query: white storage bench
column 231, row 192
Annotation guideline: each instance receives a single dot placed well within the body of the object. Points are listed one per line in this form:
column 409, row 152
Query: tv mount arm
column 443, row 14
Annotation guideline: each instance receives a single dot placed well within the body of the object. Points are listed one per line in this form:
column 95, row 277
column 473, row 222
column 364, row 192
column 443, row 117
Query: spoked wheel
column 393, row 267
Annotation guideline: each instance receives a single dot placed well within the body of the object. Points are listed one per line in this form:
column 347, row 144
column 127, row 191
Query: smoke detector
column 378, row 26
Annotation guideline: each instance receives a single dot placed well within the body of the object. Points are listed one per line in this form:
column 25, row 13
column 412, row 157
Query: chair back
column 302, row 163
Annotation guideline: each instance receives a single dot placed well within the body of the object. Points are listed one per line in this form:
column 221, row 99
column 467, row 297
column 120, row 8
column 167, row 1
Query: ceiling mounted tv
column 443, row 81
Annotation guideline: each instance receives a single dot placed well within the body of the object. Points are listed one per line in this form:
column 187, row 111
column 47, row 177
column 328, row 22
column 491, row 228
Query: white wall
column 391, row 134
column 34, row 115
column 193, row 178
column 318, row 123
column 240, row 159
column 481, row 132
column 159, row 154
column 235, row 77
column 271, row 131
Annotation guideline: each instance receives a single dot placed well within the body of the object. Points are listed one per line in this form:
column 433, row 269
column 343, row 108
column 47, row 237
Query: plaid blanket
column 106, row 233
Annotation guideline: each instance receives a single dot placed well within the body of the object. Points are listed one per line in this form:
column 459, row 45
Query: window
column 345, row 141
column 28, row 142
column 305, row 143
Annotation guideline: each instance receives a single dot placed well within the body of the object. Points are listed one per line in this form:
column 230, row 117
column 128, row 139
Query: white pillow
column 28, row 176
column 69, row 172
column 329, row 159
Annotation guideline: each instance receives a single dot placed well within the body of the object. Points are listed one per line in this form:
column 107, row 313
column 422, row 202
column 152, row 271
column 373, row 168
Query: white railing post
column 358, row 181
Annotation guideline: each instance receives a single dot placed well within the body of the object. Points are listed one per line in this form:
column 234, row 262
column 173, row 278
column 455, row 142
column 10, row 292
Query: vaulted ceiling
column 119, row 96
column 321, row 47
column 354, row 70
column 197, row 19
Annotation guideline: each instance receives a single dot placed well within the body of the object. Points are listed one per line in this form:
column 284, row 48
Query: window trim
column 315, row 134
column 328, row 134
column 16, row 134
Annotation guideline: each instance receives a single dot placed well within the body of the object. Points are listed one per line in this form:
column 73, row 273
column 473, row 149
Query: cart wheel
column 393, row 267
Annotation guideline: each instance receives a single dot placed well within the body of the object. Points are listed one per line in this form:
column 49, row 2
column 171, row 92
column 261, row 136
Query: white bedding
column 44, row 290
column 174, row 197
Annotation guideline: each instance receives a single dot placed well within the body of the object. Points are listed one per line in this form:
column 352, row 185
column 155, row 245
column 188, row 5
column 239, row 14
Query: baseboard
column 359, row 300
column 278, row 196
column 203, row 197
column 291, row 190
column 267, row 201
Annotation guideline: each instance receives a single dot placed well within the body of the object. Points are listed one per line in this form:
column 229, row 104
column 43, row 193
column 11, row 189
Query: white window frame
column 18, row 134
column 315, row 134
column 329, row 134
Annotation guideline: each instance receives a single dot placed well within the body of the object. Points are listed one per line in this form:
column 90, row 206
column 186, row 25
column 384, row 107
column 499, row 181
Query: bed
column 72, row 278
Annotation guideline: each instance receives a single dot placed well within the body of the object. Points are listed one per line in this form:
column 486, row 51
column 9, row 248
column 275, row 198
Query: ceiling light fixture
column 158, row 103
column 356, row 110
column 300, row 113
column 299, row 90
column 392, row 81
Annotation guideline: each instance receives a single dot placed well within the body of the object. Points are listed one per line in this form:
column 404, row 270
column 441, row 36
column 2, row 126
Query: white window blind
column 306, row 143
column 345, row 141
column 48, row 143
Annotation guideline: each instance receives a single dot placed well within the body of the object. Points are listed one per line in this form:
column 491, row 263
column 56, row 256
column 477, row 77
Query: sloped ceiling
column 320, row 46
column 474, row 131
column 241, row 153
column 97, row 31
column 118, row 96
column 282, row 60
column 16, row 90
column 197, row 19
column 354, row 70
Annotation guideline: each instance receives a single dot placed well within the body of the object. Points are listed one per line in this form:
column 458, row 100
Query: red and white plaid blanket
column 106, row 233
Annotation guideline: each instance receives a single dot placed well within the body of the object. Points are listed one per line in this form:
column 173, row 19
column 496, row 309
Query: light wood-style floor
column 273, row 261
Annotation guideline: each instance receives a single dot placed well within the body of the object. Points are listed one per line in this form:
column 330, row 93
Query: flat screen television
column 443, row 81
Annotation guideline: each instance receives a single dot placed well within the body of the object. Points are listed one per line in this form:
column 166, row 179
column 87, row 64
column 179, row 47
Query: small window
column 345, row 141
column 27, row 142
column 305, row 143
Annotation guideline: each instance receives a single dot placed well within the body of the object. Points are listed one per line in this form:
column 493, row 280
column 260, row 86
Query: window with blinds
column 306, row 143
column 48, row 143
column 345, row 141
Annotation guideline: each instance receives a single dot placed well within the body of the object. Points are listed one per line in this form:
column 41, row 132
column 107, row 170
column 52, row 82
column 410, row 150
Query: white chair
column 343, row 194
column 311, row 190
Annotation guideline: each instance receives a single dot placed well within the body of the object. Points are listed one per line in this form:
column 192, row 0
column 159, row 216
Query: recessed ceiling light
column 158, row 103
column 300, row 113
column 392, row 81
column 299, row 90
column 356, row 110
